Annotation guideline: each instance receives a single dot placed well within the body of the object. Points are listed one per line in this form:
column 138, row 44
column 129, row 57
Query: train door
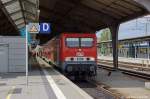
column 3, row 58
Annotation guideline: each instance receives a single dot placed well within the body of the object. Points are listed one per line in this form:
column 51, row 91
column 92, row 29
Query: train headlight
column 90, row 59
column 71, row 58
column 87, row 59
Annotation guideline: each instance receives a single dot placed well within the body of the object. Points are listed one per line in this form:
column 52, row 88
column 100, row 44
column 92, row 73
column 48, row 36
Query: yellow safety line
column 10, row 93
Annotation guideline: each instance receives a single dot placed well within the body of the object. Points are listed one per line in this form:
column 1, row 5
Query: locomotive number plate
column 80, row 59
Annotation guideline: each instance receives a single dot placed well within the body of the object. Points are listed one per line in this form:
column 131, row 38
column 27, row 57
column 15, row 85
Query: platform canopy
column 6, row 24
column 19, row 13
column 89, row 15
column 72, row 15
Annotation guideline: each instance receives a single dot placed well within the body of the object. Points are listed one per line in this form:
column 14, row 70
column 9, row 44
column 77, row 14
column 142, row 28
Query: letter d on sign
column 45, row 28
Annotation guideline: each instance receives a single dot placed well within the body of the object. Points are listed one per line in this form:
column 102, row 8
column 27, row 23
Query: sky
column 133, row 28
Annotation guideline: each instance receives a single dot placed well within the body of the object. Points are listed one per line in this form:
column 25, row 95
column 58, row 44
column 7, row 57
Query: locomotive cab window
column 79, row 42
column 86, row 42
column 72, row 42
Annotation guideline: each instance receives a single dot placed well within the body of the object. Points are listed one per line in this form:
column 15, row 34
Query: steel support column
column 114, row 31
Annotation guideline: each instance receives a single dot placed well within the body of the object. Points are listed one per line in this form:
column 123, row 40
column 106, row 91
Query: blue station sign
column 45, row 28
column 39, row 28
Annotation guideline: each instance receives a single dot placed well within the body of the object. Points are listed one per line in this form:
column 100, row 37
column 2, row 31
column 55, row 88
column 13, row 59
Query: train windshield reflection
column 79, row 42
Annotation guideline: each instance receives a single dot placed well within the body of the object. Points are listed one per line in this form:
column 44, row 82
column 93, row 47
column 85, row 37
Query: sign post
column 35, row 28
column 26, row 55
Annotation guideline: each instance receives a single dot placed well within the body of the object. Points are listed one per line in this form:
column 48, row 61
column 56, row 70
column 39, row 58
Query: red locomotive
column 73, row 53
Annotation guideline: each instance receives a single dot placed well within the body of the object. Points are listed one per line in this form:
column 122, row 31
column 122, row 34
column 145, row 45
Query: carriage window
column 72, row 42
column 86, row 42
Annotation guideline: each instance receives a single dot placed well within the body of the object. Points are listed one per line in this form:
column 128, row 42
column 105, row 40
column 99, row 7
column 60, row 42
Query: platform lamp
column 26, row 56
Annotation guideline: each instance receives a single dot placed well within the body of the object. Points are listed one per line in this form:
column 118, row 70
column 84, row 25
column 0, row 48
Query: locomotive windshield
column 79, row 42
column 86, row 42
column 72, row 42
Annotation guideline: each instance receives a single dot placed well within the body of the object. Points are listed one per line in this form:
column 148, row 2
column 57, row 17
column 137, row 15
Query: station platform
column 45, row 83
column 138, row 65
column 128, row 60
column 13, row 86
column 129, row 87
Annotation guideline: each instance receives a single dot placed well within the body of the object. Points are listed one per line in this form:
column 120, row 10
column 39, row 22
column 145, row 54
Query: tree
column 105, row 35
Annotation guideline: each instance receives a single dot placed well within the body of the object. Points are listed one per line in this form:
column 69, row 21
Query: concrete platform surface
column 13, row 86
column 129, row 86
column 64, row 87
column 44, row 83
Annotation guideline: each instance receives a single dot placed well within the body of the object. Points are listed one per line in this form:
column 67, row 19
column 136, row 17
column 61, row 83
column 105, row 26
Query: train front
column 79, row 54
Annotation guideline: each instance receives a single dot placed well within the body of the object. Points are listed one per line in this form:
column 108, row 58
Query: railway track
column 98, row 90
column 127, row 63
column 124, row 65
column 126, row 71
column 136, row 66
